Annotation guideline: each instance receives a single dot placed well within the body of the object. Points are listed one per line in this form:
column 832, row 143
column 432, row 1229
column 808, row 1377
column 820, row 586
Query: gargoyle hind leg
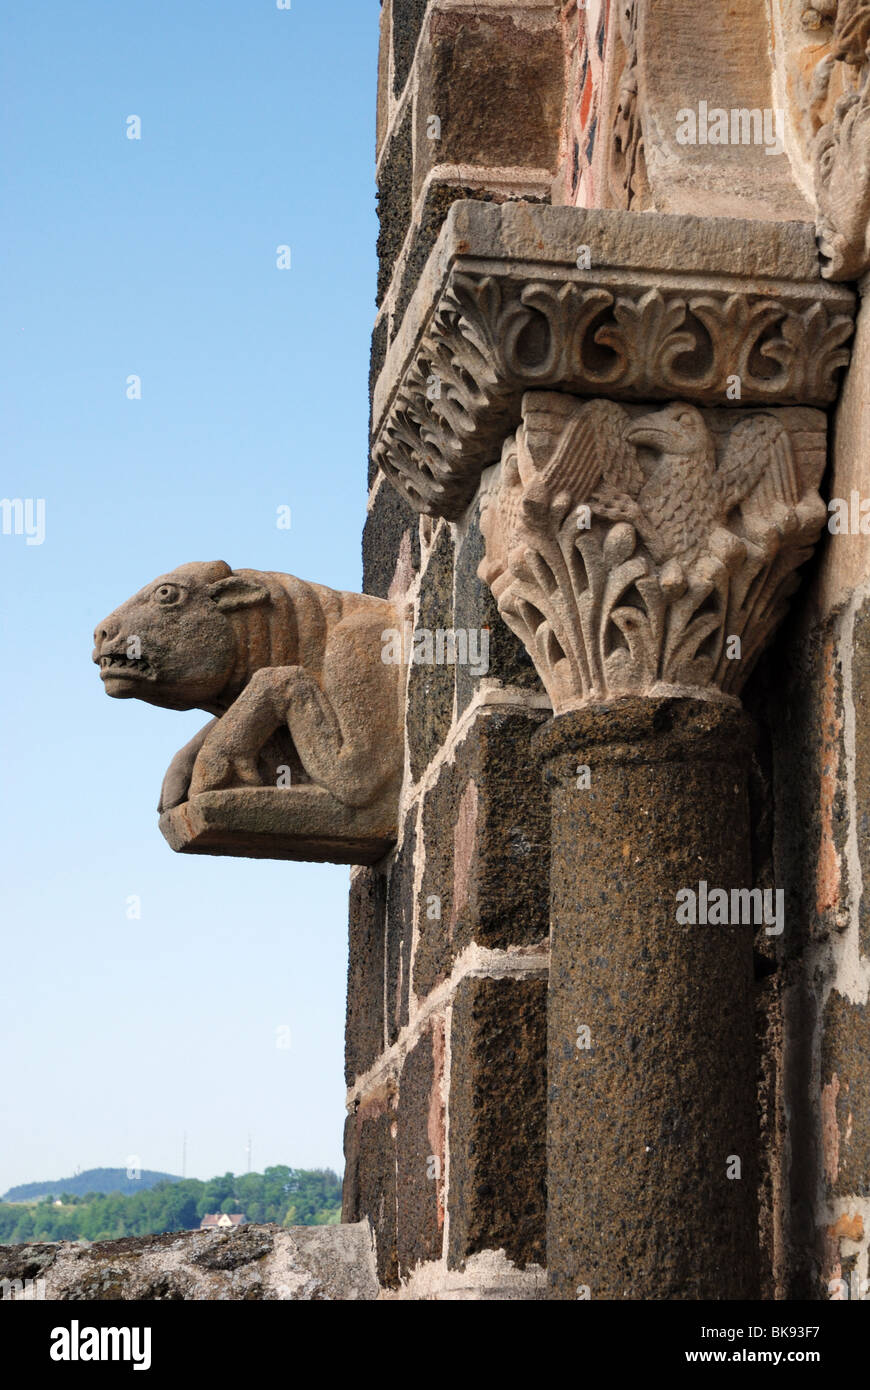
column 345, row 766
column 273, row 696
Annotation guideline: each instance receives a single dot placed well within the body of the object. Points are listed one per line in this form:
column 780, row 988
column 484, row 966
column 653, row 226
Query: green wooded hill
column 287, row 1196
column 92, row 1180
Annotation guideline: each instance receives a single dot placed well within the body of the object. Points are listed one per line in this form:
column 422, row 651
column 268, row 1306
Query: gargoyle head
column 177, row 642
column 842, row 177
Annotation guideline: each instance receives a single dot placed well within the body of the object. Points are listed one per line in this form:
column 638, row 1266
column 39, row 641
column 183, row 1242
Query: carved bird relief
column 629, row 549
column 660, row 471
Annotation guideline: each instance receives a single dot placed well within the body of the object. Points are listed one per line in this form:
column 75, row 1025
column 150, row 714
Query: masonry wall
column 445, row 1139
column 446, row 1034
column 814, row 699
column 446, row 1038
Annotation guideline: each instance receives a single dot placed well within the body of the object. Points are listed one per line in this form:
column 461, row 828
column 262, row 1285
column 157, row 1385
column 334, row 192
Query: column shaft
column 652, row 1111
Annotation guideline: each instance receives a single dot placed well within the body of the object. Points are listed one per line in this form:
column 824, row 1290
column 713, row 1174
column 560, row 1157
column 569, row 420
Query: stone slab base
column 300, row 823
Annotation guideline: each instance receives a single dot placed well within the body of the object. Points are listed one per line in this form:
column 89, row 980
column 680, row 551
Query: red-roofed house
column 221, row 1221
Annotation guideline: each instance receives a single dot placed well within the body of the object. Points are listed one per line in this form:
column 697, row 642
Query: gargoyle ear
column 237, row 592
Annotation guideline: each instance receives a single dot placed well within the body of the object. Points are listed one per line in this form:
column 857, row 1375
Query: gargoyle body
column 291, row 671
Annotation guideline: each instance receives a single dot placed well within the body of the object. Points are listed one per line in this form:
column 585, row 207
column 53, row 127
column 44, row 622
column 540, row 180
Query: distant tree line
column 287, row 1196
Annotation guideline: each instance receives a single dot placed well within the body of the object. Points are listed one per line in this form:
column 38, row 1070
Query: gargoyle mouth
column 119, row 664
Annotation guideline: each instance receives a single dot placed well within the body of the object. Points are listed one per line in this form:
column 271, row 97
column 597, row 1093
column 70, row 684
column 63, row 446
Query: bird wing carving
column 574, row 448
column 758, row 460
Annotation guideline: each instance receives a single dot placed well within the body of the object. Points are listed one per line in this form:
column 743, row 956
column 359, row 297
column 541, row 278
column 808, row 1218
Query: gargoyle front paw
column 175, row 788
column 216, row 768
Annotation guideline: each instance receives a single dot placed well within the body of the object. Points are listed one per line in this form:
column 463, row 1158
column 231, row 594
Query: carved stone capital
column 649, row 552
column 523, row 297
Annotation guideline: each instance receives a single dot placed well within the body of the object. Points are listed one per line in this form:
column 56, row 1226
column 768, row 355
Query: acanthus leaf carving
column 493, row 337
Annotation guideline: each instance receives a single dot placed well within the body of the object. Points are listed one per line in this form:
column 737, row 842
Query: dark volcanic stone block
column 846, row 1097
column 430, row 688
column 498, row 1120
column 364, row 1033
column 420, row 1151
column 439, row 199
column 391, row 529
column 350, row 1183
column 498, row 90
column 806, row 720
column 486, row 838
column 380, row 343
column 408, row 16
column 400, row 926
column 394, row 200
column 476, row 608
column 370, row 1176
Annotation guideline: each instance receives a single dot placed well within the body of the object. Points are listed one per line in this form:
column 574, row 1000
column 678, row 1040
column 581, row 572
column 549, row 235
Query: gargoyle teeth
column 120, row 661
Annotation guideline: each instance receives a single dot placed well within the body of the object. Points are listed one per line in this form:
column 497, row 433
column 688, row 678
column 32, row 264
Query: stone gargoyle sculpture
column 640, row 552
column 303, row 758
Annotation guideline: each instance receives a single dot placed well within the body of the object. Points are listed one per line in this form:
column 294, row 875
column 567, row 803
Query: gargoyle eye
column 167, row 593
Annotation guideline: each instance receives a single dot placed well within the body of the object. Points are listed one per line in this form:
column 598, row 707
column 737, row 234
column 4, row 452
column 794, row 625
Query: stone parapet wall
column 252, row 1263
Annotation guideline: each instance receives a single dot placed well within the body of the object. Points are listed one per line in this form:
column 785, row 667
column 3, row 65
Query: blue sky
column 157, row 258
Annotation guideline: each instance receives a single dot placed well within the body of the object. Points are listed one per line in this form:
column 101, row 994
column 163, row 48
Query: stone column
column 652, row 1164
column 645, row 558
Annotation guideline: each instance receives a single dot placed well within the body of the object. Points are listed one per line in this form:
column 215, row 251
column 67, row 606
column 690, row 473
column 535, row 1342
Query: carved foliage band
column 493, row 337
column 628, row 549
